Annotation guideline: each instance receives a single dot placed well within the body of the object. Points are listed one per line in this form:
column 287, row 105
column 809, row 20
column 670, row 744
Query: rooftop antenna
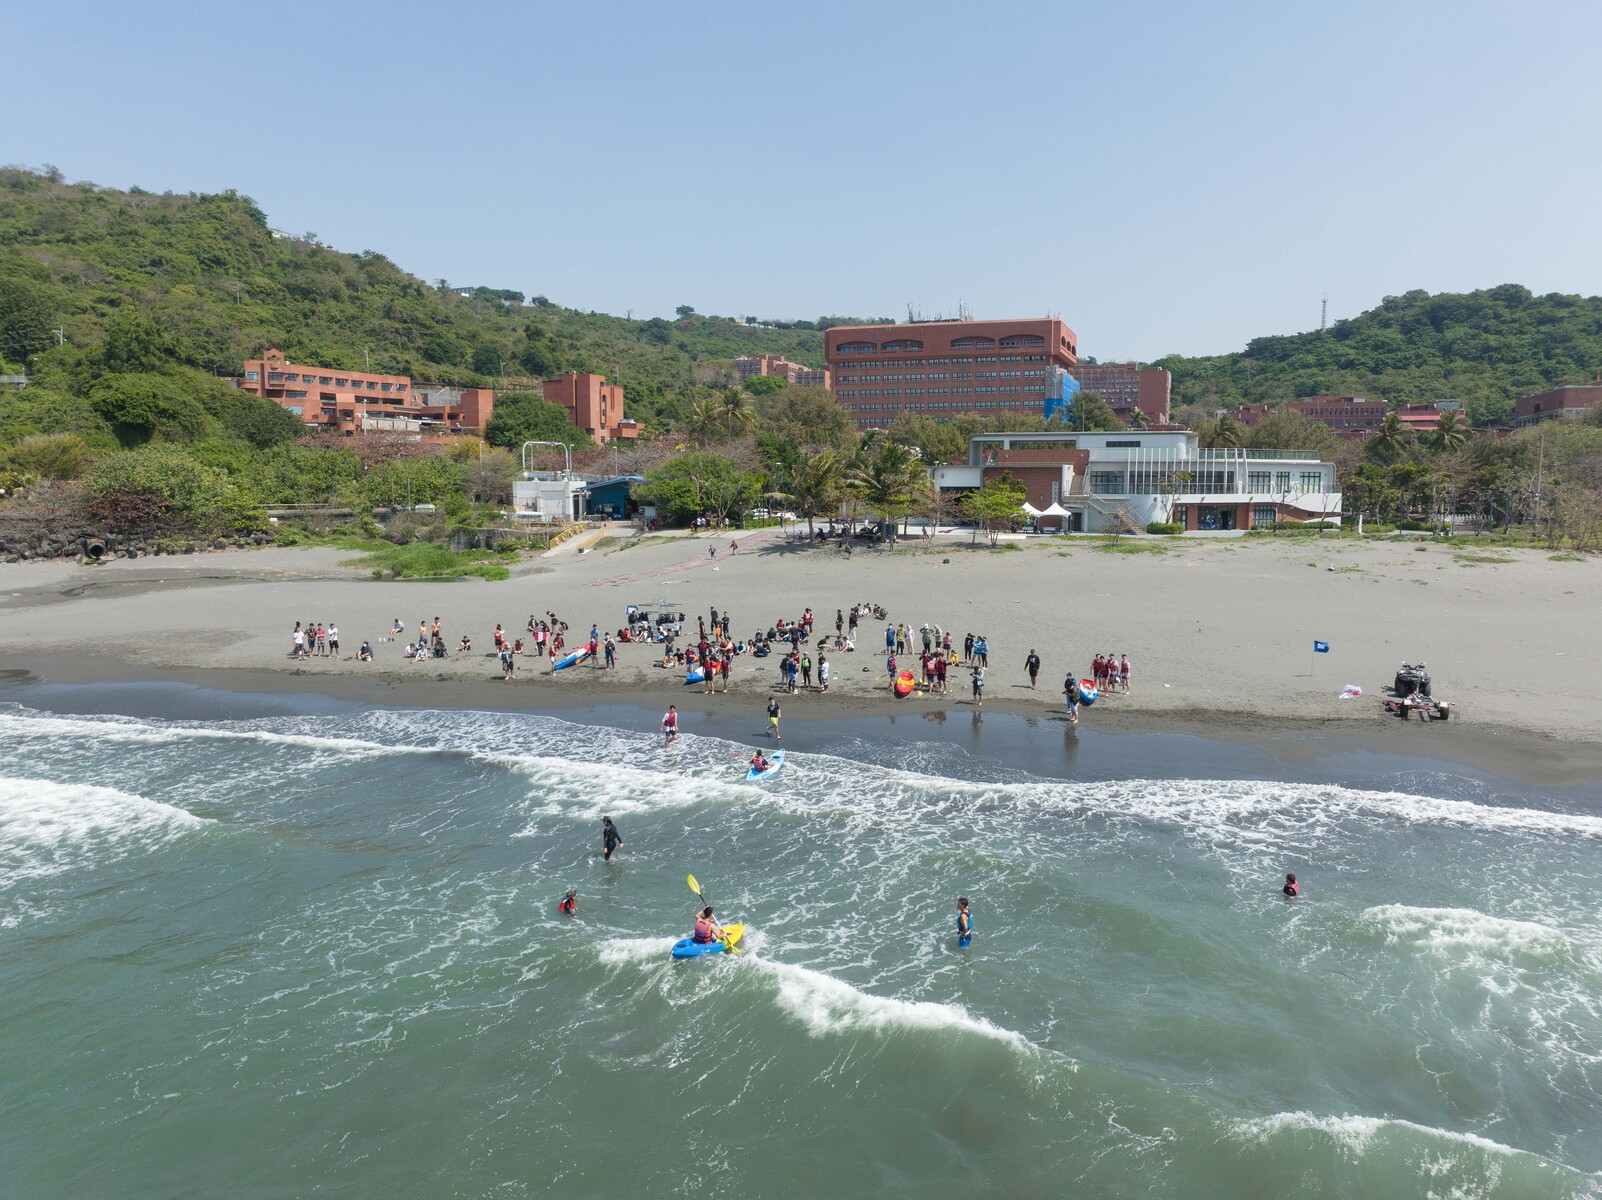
column 1323, row 314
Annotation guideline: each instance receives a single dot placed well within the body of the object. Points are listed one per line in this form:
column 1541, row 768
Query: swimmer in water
column 569, row 905
column 1292, row 889
column 964, row 923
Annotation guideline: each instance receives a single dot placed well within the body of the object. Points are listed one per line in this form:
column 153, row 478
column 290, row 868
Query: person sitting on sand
column 465, row 646
column 365, row 654
column 397, row 627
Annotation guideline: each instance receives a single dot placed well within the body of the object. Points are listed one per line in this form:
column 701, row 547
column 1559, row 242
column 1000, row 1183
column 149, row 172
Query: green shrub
column 162, row 488
column 1165, row 527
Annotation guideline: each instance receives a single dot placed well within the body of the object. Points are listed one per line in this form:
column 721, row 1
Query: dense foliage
column 1484, row 348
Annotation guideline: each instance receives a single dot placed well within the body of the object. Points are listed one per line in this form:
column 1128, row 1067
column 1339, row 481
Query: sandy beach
column 1219, row 631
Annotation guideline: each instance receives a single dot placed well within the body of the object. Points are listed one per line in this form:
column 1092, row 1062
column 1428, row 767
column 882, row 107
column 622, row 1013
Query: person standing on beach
column 611, row 653
column 1070, row 694
column 670, row 725
column 981, row 651
column 979, row 686
column 839, row 623
column 940, row 673
column 724, row 662
column 611, row 839
column 853, row 624
column 773, row 719
column 333, row 640
column 823, row 673
column 1032, row 665
column 709, row 668
column 967, row 648
column 1123, row 673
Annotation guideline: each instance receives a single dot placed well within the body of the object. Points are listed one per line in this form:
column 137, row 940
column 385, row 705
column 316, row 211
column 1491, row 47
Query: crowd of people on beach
column 921, row 659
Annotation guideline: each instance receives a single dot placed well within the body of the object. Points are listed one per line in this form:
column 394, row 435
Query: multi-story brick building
column 1128, row 386
column 592, row 404
column 948, row 368
column 747, row 365
column 1556, row 402
column 350, row 401
column 1348, row 416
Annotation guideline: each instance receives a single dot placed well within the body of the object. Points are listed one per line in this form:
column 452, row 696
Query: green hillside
column 220, row 286
column 1484, row 348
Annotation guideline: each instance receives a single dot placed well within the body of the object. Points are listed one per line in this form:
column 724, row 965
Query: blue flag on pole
column 1320, row 647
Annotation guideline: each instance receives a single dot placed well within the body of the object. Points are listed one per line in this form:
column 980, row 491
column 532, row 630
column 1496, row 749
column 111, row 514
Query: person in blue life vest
column 964, row 923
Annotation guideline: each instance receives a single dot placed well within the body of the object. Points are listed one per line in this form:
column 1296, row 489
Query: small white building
column 1139, row 477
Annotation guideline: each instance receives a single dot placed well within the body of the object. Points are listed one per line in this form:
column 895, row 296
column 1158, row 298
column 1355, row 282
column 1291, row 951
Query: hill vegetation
column 1484, row 348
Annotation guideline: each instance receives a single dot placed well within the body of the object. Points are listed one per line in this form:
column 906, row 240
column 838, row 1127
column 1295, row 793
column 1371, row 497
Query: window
column 857, row 348
column 1263, row 516
column 1023, row 339
column 1134, row 445
column 1107, row 483
column 253, row 376
column 1259, row 481
column 341, row 383
column 371, row 386
column 294, row 408
column 973, row 343
column 292, row 378
column 1182, row 515
column 1312, row 481
column 400, row 387
column 275, row 377
column 324, row 380
column 1282, row 481
column 294, row 394
column 902, row 347
column 386, row 387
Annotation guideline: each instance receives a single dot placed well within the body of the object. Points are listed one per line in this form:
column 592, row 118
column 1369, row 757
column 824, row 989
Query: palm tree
column 706, row 417
column 890, row 483
column 1138, row 419
column 814, row 486
column 1388, row 441
column 1450, row 433
column 737, row 411
column 1228, row 433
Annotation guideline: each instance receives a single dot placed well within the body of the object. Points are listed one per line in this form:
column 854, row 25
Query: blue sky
column 1168, row 177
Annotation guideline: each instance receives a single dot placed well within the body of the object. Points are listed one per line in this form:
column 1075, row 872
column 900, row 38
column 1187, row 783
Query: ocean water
column 292, row 955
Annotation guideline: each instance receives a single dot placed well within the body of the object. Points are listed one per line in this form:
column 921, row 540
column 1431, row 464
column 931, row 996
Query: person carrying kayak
column 1070, row 692
column 569, row 903
column 611, row 839
column 964, row 923
column 706, row 929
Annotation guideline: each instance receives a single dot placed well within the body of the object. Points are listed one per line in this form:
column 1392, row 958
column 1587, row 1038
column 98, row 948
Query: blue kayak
column 567, row 662
column 696, row 676
column 775, row 763
column 690, row 948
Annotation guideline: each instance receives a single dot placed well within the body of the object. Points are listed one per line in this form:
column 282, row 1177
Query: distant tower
column 1323, row 314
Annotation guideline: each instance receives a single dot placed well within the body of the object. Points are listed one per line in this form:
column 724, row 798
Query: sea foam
column 46, row 827
column 1464, row 931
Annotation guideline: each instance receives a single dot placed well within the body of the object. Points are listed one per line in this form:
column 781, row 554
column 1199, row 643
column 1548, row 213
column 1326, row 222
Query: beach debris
column 1351, row 692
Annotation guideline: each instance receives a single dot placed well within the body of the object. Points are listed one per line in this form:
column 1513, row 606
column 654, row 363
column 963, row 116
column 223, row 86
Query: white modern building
column 1139, row 477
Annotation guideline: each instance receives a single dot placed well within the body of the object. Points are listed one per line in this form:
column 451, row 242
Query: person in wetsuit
column 611, row 839
column 569, row 903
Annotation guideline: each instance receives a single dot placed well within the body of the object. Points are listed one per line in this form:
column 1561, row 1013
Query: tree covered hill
column 222, row 286
column 1484, row 348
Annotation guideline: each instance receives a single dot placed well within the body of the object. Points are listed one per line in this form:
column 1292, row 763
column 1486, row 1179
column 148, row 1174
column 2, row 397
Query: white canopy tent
column 1030, row 509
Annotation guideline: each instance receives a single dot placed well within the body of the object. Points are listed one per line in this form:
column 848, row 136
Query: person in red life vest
column 1292, row 889
column 569, row 903
column 706, row 929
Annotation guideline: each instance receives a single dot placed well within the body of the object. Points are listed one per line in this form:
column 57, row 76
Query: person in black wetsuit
column 569, row 905
column 610, row 838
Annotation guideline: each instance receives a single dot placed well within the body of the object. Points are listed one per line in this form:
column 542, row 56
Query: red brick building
column 1555, row 402
column 1348, row 416
column 946, row 368
column 747, row 365
column 349, row 401
column 1127, row 387
column 593, row 405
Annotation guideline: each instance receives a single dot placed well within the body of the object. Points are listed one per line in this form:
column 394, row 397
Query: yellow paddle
column 695, row 887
